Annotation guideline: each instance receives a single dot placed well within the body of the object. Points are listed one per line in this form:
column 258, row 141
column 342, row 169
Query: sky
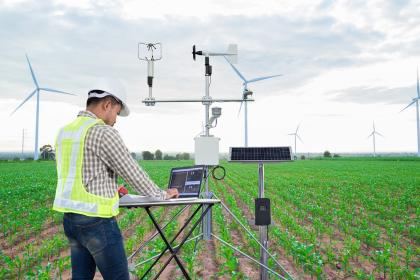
column 345, row 65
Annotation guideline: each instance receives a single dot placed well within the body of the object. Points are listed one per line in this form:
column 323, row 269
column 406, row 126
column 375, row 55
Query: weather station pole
column 206, row 146
column 262, row 155
column 262, row 229
column 207, row 219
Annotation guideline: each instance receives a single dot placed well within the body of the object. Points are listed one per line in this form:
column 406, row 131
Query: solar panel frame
column 260, row 154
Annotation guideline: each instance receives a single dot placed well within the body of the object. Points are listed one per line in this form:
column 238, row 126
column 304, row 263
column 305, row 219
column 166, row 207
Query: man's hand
column 172, row 193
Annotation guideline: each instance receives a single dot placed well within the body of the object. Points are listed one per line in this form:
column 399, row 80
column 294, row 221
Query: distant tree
column 147, row 155
column 168, row 157
column 134, row 156
column 327, row 154
column 182, row 156
column 158, row 154
column 336, row 155
column 302, row 157
column 47, row 152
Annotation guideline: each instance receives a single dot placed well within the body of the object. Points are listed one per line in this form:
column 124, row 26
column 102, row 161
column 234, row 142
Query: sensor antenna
column 150, row 52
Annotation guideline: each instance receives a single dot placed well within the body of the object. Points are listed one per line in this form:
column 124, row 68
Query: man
column 90, row 156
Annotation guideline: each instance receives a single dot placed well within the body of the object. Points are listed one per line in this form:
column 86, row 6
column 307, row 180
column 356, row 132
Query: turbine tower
column 416, row 101
column 374, row 132
column 36, row 91
column 296, row 135
column 245, row 93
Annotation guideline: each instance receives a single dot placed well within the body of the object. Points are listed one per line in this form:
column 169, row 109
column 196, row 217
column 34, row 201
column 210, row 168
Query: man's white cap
column 113, row 87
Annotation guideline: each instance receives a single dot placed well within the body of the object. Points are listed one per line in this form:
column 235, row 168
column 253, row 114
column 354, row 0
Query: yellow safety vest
column 71, row 195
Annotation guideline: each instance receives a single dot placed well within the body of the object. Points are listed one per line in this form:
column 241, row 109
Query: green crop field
column 331, row 219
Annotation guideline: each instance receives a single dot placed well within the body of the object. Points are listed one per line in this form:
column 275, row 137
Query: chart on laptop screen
column 187, row 180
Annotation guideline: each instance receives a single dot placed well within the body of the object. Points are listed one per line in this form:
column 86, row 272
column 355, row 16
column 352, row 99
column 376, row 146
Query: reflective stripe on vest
column 71, row 195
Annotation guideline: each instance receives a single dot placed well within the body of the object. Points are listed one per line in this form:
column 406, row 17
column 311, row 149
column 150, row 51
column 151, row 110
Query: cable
column 214, row 169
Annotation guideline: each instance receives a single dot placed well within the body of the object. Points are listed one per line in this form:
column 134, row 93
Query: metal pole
column 374, row 145
column 207, row 218
column 23, row 141
column 418, row 127
column 262, row 229
column 246, row 123
column 36, row 125
column 207, row 89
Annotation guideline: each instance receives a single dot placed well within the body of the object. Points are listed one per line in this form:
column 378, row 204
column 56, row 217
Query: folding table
column 204, row 204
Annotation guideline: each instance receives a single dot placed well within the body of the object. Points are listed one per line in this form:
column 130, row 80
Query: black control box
column 262, row 212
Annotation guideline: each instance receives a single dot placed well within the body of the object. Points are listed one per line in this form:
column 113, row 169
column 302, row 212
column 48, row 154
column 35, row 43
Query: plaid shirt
column 106, row 157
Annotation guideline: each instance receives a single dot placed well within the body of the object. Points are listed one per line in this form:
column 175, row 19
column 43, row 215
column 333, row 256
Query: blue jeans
column 95, row 242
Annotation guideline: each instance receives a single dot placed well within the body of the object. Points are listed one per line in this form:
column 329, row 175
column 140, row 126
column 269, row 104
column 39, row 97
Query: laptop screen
column 187, row 180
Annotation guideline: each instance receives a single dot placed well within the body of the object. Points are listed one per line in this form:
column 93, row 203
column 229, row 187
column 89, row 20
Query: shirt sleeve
column 116, row 155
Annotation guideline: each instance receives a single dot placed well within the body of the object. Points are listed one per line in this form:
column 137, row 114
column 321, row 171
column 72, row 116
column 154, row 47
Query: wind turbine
column 416, row 101
column 374, row 132
column 245, row 93
column 36, row 91
column 296, row 137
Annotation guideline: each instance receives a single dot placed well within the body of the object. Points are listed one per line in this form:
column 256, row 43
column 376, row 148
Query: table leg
column 183, row 241
column 168, row 246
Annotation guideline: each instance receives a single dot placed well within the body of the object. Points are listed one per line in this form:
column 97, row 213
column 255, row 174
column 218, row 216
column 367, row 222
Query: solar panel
column 260, row 154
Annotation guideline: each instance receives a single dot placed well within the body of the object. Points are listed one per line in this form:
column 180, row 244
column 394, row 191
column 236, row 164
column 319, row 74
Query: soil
column 18, row 248
column 286, row 262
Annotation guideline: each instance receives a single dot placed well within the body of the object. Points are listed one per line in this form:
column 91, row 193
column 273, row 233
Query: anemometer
column 206, row 146
column 150, row 52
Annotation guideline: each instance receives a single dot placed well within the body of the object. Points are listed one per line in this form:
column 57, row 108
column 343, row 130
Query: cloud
column 331, row 54
column 375, row 95
column 69, row 46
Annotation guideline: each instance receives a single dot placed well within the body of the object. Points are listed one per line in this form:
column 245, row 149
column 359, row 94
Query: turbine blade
column 233, row 50
column 32, row 71
column 291, row 134
column 299, row 138
column 57, row 91
column 297, row 128
column 24, row 101
column 412, row 102
column 263, row 78
column 236, row 70
column 379, row 134
column 370, row 135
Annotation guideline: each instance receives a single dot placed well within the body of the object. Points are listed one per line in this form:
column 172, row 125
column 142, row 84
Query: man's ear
column 106, row 104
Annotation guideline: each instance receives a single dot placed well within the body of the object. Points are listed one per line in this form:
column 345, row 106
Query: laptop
column 187, row 180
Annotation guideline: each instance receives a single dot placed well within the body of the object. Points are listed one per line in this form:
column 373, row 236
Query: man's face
column 112, row 110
